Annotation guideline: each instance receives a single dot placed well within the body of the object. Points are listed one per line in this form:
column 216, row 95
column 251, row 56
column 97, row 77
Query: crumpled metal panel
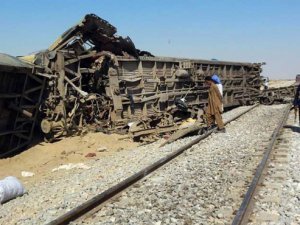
column 97, row 32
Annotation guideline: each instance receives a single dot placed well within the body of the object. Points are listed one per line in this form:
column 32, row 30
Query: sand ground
column 43, row 157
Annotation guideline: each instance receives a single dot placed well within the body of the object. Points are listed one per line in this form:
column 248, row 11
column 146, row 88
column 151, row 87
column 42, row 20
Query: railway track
column 87, row 210
column 272, row 196
column 98, row 200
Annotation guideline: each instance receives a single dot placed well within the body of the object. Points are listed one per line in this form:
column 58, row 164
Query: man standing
column 214, row 108
column 296, row 101
column 215, row 78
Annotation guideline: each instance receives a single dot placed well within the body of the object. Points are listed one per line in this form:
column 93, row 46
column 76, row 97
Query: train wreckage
column 91, row 78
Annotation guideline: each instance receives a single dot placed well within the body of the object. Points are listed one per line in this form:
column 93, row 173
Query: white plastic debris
column 27, row 174
column 10, row 187
column 71, row 166
column 187, row 123
column 130, row 124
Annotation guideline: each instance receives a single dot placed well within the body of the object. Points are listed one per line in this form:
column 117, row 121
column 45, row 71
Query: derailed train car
column 97, row 80
column 20, row 97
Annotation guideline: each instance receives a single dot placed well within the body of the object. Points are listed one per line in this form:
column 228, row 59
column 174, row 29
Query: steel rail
column 99, row 199
column 242, row 214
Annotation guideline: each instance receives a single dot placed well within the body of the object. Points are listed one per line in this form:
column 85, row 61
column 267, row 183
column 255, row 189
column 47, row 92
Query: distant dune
column 280, row 83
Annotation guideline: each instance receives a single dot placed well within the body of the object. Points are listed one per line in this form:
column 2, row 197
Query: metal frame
column 23, row 108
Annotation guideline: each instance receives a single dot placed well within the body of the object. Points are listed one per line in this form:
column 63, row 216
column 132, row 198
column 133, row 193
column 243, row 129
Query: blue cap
column 216, row 79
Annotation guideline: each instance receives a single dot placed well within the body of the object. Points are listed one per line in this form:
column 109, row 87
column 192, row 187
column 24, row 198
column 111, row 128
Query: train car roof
column 11, row 62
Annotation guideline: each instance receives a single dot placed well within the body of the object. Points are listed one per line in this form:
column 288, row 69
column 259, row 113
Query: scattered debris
column 63, row 152
column 166, row 136
column 188, row 130
column 91, row 144
column 72, row 166
column 101, row 149
column 27, row 174
column 187, row 123
column 90, row 155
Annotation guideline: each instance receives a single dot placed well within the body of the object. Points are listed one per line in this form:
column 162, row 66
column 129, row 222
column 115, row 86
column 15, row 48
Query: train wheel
column 267, row 101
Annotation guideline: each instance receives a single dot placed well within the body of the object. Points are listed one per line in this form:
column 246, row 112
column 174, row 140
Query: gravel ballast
column 203, row 186
column 278, row 198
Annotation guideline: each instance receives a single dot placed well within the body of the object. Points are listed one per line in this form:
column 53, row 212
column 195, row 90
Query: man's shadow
column 293, row 128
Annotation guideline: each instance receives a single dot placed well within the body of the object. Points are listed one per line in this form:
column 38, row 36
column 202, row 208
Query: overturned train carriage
column 20, row 96
column 157, row 94
column 100, row 80
column 145, row 95
column 91, row 78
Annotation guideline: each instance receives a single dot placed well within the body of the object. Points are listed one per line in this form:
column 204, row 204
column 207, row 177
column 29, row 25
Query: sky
column 230, row 30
